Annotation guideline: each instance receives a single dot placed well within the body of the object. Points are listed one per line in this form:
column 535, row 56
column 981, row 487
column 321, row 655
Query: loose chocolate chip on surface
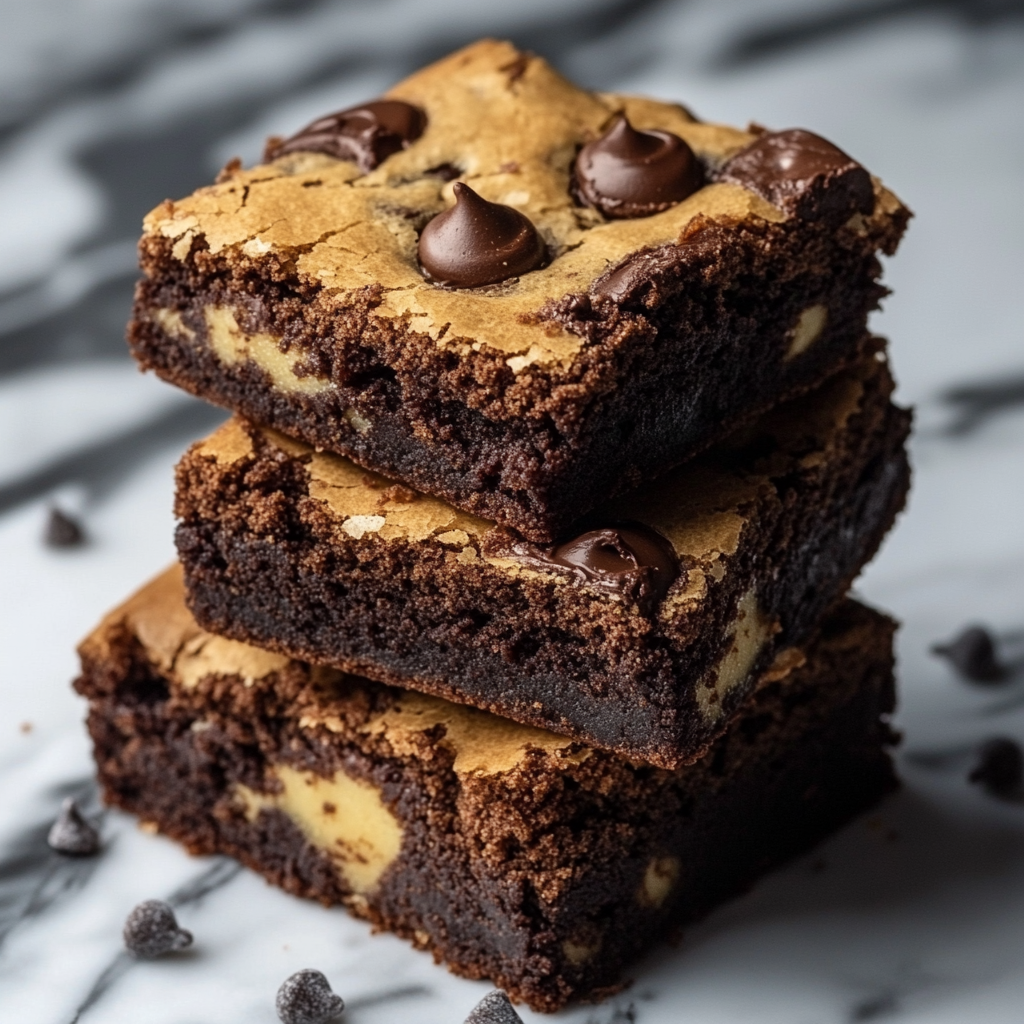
column 628, row 173
column 494, row 1008
column 973, row 654
column 629, row 559
column 62, row 531
column 802, row 174
column 1000, row 768
column 476, row 242
column 367, row 134
column 152, row 930
column 306, row 998
column 71, row 833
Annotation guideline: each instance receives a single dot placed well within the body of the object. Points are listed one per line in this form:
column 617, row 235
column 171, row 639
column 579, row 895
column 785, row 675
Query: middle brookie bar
column 638, row 634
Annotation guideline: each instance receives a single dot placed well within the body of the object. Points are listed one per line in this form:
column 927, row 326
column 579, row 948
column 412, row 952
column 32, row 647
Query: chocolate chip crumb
column 398, row 494
column 1000, row 768
column 494, row 1008
column 152, row 930
column 229, row 170
column 62, row 531
column 71, row 833
column 306, row 998
column 973, row 654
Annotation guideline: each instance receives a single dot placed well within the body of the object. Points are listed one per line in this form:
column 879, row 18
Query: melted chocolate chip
column 627, row 173
column 152, row 930
column 72, row 834
column 476, row 243
column 973, row 654
column 802, row 174
column 1000, row 768
column 494, row 1008
column 367, row 134
column 628, row 559
column 306, row 998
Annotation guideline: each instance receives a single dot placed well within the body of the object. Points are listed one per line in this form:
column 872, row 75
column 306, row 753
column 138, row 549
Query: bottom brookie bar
column 510, row 853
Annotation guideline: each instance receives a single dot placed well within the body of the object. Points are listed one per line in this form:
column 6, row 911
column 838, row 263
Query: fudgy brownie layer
column 291, row 294
column 509, row 853
column 307, row 554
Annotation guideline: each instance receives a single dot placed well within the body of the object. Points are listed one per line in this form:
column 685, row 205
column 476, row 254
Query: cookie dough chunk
column 510, row 853
column 638, row 632
column 511, row 293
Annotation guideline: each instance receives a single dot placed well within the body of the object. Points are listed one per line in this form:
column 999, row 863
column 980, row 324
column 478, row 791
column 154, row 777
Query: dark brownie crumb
column 152, row 930
column 973, row 654
column 71, row 833
column 62, row 531
column 1000, row 768
column 306, row 998
column 494, row 1008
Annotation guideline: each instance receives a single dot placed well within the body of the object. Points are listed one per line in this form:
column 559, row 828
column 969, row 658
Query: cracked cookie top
column 508, row 125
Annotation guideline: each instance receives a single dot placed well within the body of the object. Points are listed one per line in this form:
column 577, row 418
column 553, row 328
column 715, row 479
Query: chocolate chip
column 629, row 559
column 62, row 531
column 152, row 930
column 1000, row 768
column 973, row 654
column 367, row 134
column 476, row 242
column 494, row 1008
column 629, row 173
column 71, row 833
column 306, row 998
column 802, row 174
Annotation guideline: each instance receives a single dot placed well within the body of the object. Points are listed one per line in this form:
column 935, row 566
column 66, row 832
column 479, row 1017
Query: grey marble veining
column 913, row 913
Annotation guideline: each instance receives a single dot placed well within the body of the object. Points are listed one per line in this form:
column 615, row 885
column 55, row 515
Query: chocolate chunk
column 494, row 1008
column 1000, row 768
column 629, row 559
column 446, row 172
column 973, row 654
column 802, row 174
column 306, row 998
column 71, row 833
column 62, row 531
column 367, row 134
column 476, row 243
column 628, row 173
column 152, row 930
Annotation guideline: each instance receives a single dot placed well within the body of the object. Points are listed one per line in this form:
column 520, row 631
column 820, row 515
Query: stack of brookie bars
column 511, row 611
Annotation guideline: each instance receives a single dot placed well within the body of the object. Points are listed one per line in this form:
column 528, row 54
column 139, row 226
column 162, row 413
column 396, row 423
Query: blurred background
column 109, row 106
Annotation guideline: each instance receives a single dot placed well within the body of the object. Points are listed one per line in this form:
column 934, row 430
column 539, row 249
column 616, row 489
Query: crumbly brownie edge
column 266, row 565
column 538, row 449
column 744, row 810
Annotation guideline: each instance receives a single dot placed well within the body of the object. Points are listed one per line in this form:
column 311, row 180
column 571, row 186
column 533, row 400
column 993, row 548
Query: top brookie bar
column 638, row 634
column 511, row 293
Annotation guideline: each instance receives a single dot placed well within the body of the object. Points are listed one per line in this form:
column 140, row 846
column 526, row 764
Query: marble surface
column 914, row 913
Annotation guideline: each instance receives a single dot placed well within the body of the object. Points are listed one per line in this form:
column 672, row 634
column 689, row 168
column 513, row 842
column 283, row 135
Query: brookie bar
column 511, row 293
column 509, row 853
column 637, row 633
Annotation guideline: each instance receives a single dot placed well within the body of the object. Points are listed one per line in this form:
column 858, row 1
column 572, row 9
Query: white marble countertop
column 914, row 913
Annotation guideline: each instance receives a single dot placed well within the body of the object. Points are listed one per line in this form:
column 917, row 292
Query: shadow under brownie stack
column 512, row 609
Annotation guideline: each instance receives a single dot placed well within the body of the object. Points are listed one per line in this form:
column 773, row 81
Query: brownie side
column 268, row 564
column 685, row 343
column 539, row 876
